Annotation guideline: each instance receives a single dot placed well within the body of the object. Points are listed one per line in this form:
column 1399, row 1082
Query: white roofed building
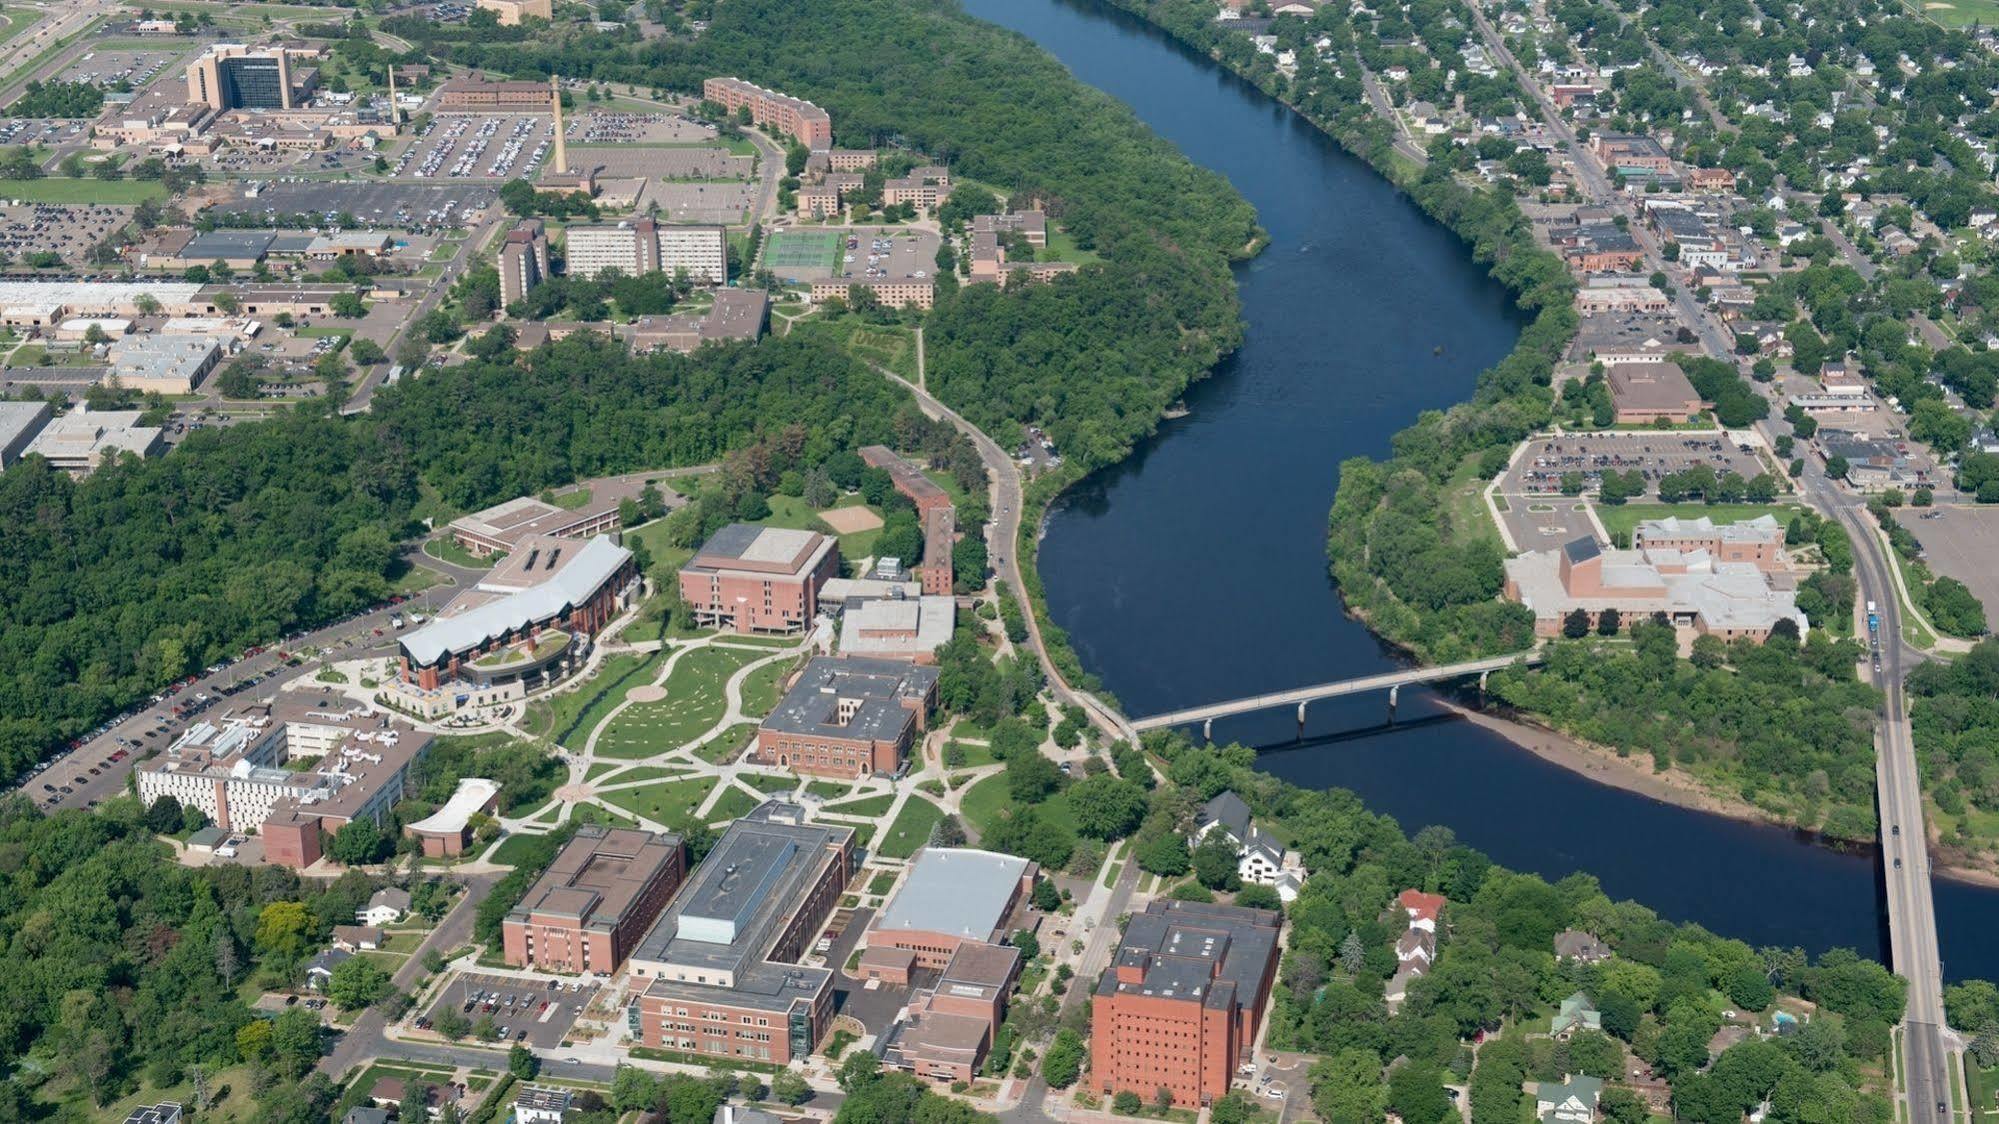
column 523, row 625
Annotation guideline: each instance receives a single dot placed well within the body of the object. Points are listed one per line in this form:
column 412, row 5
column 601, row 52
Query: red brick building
column 722, row 961
column 796, row 118
column 1183, row 1002
column 589, row 909
column 848, row 717
column 751, row 579
column 950, row 1027
column 933, row 505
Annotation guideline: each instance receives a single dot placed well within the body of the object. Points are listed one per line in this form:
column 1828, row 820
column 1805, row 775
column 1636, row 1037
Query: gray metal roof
column 811, row 706
column 956, row 890
column 228, row 244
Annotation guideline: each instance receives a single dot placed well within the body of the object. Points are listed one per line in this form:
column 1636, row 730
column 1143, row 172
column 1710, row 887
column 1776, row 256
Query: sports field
column 794, row 250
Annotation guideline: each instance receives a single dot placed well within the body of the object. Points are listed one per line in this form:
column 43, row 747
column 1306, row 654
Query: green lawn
column 446, row 549
column 973, row 755
column 911, row 829
column 573, row 714
column 1958, row 13
column 591, row 813
column 769, row 782
column 793, row 513
column 669, row 802
column 511, row 849
column 1062, row 247
column 58, row 189
column 727, row 744
column 638, row 773
column 760, row 689
column 865, row 807
column 1621, row 519
column 827, row 790
column 982, row 802
column 695, row 700
column 1984, row 1086
column 732, row 805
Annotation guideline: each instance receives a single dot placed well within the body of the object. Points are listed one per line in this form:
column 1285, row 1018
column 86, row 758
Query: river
column 1195, row 571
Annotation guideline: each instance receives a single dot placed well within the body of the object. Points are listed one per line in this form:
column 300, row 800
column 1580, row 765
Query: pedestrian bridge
column 1301, row 697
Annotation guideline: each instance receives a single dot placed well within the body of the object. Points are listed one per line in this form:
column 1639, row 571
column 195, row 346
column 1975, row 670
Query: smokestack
column 561, row 149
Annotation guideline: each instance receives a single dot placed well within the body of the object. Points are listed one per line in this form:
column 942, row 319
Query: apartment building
column 523, row 260
column 722, row 960
column 848, row 717
column 641, row 246
column 924, row 188
column 596, row 900
column 752, row 579
column 796, row 118
column 1183, row 1001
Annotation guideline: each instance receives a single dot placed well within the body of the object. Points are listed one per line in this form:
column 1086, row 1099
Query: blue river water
column 1195, row 571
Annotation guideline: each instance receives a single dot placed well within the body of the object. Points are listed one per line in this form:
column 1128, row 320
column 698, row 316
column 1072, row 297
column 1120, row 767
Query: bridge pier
column 1301, row 721
column 1207, row 729
column 1481, row 682
column 1394, row 696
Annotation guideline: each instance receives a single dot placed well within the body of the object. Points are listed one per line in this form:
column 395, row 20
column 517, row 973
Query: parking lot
column 1539, row 470
column 478, row 146
column 39, row 130
column 68, row 229
column 886, row 253
column 701, row 202
column 686, row 163
column 1961, row 542
column 607, row 127
column 105, row 67
column 415, row 206
column 532, row 1012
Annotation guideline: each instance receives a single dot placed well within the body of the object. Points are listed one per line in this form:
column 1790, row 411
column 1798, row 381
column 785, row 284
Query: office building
column 474, row 93
column 19, row 423
column 502, row 528
column 946, row 1031
column 848, row 717
column 1183, row 1001
column 525, row 624
column 752, row 579
column 294, row 768
column 236, row 76
column 800, row 120
column 523, row 260
column 1692, row 588
column 79, row 441
column 722, row 960
column 446, row 832
column 599, row 896
column 1651, row 392
column 512, row 12
column 953, row 896
column 162, row 364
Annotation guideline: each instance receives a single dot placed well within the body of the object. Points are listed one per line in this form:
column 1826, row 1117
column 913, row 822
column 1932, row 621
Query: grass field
column 1620, row 519
column 965, row 755
column 1958, row 13
column 694, row 702
column 670, row 802
column 641, row 773
column 760, row 691
column 768, row 782
column 574, row 714
column 866, row 806
column 802, row 249
column 56, row 189
column 726, row 744
column 911, row 829
column 982, row 802
column 733, row 804
column 447, row 550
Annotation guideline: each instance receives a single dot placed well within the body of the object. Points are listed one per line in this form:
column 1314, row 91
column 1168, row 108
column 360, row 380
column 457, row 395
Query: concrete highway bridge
column 1301, row 697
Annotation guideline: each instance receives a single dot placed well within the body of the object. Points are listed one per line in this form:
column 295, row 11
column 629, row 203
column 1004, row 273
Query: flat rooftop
column 852, row 698
column 962, row 891
column 598, row 875
column 762, row 550
column 1211, row 954
column 729, row 911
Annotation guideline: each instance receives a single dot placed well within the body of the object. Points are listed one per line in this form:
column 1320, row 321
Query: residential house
column 1571, row 1102
column 1584, row 948
column 320, row 970
column 1576, row 1013
column 386, row 907
column 357, row 938
column 541, row 1104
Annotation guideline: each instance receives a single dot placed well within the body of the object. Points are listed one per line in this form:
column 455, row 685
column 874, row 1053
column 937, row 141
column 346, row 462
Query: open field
column 911, row 829
column 695, row 700
column 669, row 802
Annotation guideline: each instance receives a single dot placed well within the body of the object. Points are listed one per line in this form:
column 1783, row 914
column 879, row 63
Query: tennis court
column 792, row 251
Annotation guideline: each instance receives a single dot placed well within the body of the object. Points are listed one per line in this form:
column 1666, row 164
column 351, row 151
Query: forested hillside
column 119, row 583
